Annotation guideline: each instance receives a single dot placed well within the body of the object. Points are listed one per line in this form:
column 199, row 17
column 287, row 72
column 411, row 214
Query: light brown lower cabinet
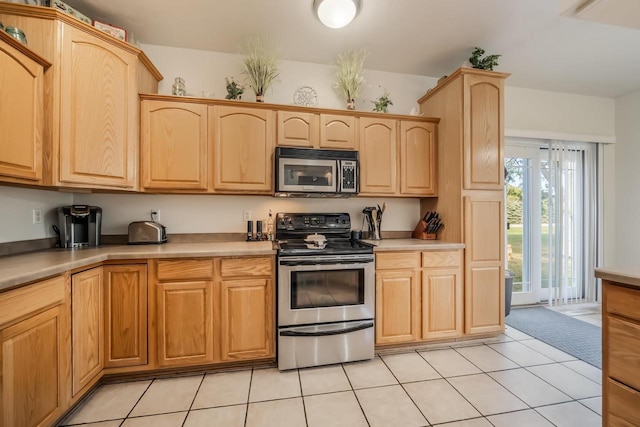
column 125, row 315
column 87, row 328
column 419, row 296
column 34, row 350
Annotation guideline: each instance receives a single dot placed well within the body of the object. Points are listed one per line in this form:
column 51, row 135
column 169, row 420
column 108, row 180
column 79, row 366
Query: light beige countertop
column 628, row 275
column 412, row 245
column 19, row 269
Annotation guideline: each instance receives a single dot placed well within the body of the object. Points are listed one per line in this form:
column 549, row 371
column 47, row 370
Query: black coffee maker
column 80, row 226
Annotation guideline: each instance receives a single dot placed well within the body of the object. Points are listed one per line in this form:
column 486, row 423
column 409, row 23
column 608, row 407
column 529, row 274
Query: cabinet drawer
column 622, row 405
column 31, row 298
column 622, row 301
column 441, row 259
column 187, row 269
column 230, row 267
column 397, row 260
column 623, row 343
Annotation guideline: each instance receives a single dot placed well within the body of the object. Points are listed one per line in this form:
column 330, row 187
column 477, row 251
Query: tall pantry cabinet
column 470, row 104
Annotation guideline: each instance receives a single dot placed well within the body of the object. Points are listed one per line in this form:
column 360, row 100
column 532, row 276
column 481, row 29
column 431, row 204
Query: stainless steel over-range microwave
column 308, row 172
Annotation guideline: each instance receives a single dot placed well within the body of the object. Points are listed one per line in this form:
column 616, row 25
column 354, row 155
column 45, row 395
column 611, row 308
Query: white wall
column 220, row 214
column 627, row 161
column 16, row 219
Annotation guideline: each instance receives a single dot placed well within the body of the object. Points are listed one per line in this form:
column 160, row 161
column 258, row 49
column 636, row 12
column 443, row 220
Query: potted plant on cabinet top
column 349, row 77
column 486, row 63
column 381, row 105
column 234, row 89
column 260, row 65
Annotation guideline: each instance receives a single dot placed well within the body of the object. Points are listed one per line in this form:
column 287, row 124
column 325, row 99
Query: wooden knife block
column 420, row 232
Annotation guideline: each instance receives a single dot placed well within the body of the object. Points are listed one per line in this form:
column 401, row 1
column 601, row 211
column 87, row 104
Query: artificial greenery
column 349, row 77
column 260, row 64
column 234, row 89
column 486, row 63
column 382, row 104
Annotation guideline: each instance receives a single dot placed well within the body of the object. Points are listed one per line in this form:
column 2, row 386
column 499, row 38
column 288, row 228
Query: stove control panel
column 302, row 222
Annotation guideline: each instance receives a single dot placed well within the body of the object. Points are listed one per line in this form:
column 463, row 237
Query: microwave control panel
column 348, row 176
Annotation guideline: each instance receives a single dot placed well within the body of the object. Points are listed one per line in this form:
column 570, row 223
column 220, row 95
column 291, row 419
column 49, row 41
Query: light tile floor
column 510, row 380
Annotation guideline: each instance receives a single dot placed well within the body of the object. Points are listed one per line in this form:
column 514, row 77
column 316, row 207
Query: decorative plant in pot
column 349, row 77
column 381, row 104
column 234, row 89
column 260, row 65
column 486, row 63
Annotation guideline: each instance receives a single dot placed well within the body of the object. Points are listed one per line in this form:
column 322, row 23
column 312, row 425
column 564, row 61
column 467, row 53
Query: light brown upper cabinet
column 173, row 145
column 243, row 140
column 418, row 158
column 338, row 131
column 298, row 129
column 21, row 106
column 378, row 156
column 91, row 107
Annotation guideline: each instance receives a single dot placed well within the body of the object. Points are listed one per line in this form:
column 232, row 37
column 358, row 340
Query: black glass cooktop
column 333, row 247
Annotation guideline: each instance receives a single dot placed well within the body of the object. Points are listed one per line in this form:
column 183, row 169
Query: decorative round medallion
column 305, row 96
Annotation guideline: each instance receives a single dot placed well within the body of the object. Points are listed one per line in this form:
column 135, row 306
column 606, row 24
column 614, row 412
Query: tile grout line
column 139, row 399
column 246, row 412
column 366, row 419
column 193, row 400
column 304, row 407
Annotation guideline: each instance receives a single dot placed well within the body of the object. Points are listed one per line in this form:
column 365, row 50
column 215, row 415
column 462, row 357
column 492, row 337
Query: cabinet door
column 125, row 321
column 484, row 263
column 441, row 303
column 247, row 319
column 21, row 115
column 184, row 313
column 98, row 127
column 418, row 158
column 87, row 331
column 173, row 145
column 298, row 129
column 397, row 306
column 378, row 159
column 243, row 148
column 32, row 354
column 483, row 133
column 338, row 131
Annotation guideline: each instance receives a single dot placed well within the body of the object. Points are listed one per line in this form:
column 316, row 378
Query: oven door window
column 327, row 288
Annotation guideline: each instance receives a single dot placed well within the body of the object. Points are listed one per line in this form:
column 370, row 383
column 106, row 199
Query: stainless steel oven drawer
column 303, row 346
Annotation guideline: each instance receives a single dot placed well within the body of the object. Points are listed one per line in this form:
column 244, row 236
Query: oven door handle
column 359, row 327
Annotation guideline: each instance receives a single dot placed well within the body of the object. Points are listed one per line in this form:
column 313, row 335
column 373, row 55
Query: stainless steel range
column 326, row 291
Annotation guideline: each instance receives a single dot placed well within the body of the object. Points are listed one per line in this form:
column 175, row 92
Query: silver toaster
column 147, row 233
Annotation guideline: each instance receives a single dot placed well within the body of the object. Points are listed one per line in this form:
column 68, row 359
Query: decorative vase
column 351, row 105
column 178, row 87
column 259, row 98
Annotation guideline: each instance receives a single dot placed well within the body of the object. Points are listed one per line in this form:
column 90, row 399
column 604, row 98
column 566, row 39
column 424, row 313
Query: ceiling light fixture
column 336, row 13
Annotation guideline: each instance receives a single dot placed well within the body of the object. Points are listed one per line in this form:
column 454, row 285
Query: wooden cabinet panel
column 622, row 301
column 338, row 131
column 32, row 373
column 484, row 300
column 418, row 158
column 22, row 115
column 243, row 148
column 173, row 145
column 298, row 129
column 483, row 141
column 184, row 323
column 184, row 269
column 247, row 319
column 398, row 261
column 125, row 308
column 87, row 331
column 441, row 259
column 623, row 342
column 98, row 140
column 397, row 306
column 21, row 302
column 484, row 228
column 622, row 410
column 246, row 266
column 378, row 156
column 442, row 303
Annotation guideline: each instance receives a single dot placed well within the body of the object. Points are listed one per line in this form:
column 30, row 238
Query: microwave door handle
column 339, row 331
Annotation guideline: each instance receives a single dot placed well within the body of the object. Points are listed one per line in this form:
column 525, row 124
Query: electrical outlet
column 246, row 215
column 155, row 215
column 37, row 216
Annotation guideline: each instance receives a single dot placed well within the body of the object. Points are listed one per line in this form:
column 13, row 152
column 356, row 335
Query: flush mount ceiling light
column 336, row 13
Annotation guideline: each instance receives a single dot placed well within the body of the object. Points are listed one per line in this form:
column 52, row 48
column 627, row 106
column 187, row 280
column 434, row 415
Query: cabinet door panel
column 87, row 332
column 441, row 303
column 418, row 158
column 243, row 148
column 31, row 387
column 623, row 339
column 378, row 156
column 397, row 306
column 98, row 111
column 621, row 405
column 174, row 145
column 21, row 105
column 184, row 323
column 297, row 129
column 125, row 328
column 247, row 319
column 337, row 131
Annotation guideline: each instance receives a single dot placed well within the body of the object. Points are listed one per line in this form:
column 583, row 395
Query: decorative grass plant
column 349, row 77
column 260, row 65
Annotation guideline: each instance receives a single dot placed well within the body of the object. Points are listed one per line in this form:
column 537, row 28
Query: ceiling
column 589, row 47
